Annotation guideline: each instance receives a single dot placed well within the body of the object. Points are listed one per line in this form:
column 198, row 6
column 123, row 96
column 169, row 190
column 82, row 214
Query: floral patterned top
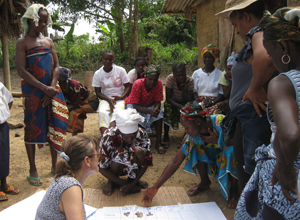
column 112, row 148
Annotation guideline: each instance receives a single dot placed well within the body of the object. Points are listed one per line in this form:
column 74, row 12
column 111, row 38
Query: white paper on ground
column 196, row 211
column 26, row 209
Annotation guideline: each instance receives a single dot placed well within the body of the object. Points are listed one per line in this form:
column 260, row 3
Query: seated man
column 125, row 149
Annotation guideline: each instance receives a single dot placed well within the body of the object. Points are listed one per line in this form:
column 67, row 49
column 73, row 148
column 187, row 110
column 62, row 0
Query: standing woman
column 250, row 77
column 273, row 185
column 45, row 109
column 64, row 197
column 206, row 79
column 146, row 97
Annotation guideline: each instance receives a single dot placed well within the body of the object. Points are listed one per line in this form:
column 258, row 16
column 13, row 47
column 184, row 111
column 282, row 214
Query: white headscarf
column 128, row 120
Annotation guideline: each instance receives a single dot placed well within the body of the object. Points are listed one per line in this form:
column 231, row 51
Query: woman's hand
column 46, row 100
column 111, row 103
column 155, row 111
column 149, row 193
column 208, row 103
column 211, row 139
column 117, row 98
column 127, row 187
column 51, row 91
column 287, row 178
column 258, row 98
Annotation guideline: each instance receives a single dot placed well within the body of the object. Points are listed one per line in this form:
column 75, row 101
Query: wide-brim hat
column 233, row 5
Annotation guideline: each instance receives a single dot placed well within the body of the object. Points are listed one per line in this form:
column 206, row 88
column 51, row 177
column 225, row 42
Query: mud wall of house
column 208, row 28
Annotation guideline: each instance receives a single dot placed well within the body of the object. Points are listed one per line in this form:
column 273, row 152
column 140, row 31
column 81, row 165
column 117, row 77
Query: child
column 140, row 65
column 6, row 101
column 179, row 91
column 111, row 79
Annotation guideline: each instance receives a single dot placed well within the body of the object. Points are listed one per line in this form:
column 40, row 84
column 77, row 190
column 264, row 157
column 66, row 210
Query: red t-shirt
column 140, row 96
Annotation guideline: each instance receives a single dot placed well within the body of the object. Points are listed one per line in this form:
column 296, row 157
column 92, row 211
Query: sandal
column 12, row 190
column 195, row 191
column 3, row 197
column 30, row 178
column 161, row 150
column 232, row 203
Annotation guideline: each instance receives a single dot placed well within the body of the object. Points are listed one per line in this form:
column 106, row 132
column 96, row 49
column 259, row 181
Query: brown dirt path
column 19, row 165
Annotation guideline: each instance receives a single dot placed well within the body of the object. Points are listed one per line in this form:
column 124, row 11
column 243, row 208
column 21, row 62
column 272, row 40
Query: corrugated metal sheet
column 176, row 6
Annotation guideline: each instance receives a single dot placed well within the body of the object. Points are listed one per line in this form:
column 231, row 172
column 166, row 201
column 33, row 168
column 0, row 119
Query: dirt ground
column 19, row 166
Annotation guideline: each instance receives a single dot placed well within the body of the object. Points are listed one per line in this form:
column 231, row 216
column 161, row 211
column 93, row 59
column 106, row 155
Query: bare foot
column 136, row 189
column 108, row 188
column 142, row 184
column 198, row 188
column 232, row 203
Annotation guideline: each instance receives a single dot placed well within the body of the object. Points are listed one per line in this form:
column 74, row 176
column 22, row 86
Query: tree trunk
column 120, row 30
column 136, row 33
column 130, row 31
column 6, row 70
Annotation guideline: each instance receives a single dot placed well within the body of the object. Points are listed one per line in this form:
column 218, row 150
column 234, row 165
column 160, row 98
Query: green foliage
column 169, row 30
column 12, row 54
column 83, row 55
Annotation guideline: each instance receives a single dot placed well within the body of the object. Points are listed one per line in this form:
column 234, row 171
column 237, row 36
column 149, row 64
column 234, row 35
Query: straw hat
column 233, row 5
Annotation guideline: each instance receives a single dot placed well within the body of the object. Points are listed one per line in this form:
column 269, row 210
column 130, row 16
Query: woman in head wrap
column 273, row 185
column 64, row 197
column 79, row 98
column 146, row 95
column 45, row 109
column 225, row 81
column 125, row 150
column 251, row 73
column 206, row 78
column 205, row 150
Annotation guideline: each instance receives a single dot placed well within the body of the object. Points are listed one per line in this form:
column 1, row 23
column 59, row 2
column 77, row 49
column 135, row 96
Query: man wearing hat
column 125, row 150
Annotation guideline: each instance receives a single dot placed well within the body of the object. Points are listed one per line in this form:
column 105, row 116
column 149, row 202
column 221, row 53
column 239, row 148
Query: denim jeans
column 255, row 131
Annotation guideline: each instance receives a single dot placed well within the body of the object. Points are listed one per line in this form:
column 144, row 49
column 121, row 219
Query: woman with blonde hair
column 64, row 197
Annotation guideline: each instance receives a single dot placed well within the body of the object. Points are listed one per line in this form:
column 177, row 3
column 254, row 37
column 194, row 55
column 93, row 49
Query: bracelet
column 202, row 105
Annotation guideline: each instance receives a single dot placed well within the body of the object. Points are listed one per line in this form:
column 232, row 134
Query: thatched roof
column 11, row 12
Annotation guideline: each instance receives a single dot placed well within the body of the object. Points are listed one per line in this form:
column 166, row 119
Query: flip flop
column 53, row 172
column 195, row 191
column 33, row 178
column 165, row 145
column 232, row 203
column 3, row 197
column 161, row 150
column 11, row 190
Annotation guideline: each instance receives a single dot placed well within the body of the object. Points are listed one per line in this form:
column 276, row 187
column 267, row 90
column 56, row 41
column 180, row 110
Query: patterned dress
column 219, row 157
column 49, row 123
column 259, row 200
column 112, row 148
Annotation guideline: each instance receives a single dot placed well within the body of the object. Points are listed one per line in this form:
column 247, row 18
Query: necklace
column 38, row 38
column 33, row 36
